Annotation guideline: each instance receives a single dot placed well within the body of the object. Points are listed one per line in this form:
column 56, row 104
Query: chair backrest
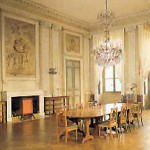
column 61, row 120
column 114, row 114
column 138, row 107
column 130, row 111
column 67, row 107
column 123, row 114
column 79, row 106
column 140, row 98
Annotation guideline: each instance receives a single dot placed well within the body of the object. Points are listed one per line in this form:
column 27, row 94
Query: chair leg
column 110, row 132
column 129, row 126
column 116, row 131
column 66, row 136
column 57, row 136
column 76, row 134
column 99, row 131
column 126, row 127
column 138, row 122
column 120, row 128
column 131, row 123
column 142, row 121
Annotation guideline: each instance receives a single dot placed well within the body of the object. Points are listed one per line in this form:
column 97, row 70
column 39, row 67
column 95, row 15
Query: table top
column 96, row 111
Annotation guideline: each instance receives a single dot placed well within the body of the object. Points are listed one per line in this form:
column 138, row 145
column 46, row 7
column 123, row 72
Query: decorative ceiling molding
column 53, row 15
column 45, row 12
column 137, row 18
column 121, row 22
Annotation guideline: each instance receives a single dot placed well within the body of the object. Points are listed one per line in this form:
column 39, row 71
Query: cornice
column 121, row 22
column 45, row 12
column 51, row 14
column 137, row 18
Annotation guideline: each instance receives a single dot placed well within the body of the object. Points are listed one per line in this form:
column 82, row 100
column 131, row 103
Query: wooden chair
column 112, row 122
column 137, row 114
column 79, row 106
column 122, row 119
column 90, row 104
column 130, row 117
column 67, row 107
column 64, row 126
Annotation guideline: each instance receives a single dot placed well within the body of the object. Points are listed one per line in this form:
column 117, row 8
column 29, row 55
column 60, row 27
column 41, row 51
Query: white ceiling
column 87, row 10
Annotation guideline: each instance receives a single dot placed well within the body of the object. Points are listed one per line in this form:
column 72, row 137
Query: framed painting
column 19, row 48
column 72, row 43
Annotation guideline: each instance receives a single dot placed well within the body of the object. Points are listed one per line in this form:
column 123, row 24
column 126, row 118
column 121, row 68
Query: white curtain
column 98, row 81
column 144, row 52
column 144, row 49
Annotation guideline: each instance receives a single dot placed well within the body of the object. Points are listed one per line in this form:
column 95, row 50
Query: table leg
column 87, row 136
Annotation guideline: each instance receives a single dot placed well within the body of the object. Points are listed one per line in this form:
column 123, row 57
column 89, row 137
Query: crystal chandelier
column 106, row 54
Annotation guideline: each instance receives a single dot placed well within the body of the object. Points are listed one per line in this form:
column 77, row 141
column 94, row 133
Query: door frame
column 81, row 74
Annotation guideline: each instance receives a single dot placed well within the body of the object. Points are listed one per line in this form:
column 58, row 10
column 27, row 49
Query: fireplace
column 22, row 106
column 15, row 102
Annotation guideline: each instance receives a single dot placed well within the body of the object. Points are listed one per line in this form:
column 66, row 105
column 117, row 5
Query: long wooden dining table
column 88, row 113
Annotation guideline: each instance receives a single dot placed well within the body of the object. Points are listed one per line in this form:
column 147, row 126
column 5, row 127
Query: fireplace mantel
column 7, row 96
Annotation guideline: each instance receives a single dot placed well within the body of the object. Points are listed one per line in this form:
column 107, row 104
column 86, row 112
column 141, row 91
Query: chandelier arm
column 106, row 54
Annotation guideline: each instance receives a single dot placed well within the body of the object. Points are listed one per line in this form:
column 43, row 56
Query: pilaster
column 130, row 54
column 86, row 72
column 56, row 59
column 92, row 62
column 44, row 56
column 131, row 59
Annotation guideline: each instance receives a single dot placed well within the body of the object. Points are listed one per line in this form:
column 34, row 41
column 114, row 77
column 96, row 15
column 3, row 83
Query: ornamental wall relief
column 19, row 48
column 72, row 44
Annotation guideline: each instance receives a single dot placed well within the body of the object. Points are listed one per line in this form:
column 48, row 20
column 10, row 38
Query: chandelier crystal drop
column 105, row 53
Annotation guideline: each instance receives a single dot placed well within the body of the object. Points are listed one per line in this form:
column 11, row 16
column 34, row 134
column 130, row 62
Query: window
column 111, row 81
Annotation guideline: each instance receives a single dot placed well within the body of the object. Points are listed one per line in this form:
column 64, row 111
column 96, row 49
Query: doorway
column 73, row 81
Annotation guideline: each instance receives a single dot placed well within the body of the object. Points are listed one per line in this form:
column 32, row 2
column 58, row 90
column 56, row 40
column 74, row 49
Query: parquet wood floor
column 40, row 135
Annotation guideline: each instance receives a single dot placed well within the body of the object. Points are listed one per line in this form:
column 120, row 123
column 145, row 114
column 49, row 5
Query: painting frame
column 72, row 43
column 33, row 74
